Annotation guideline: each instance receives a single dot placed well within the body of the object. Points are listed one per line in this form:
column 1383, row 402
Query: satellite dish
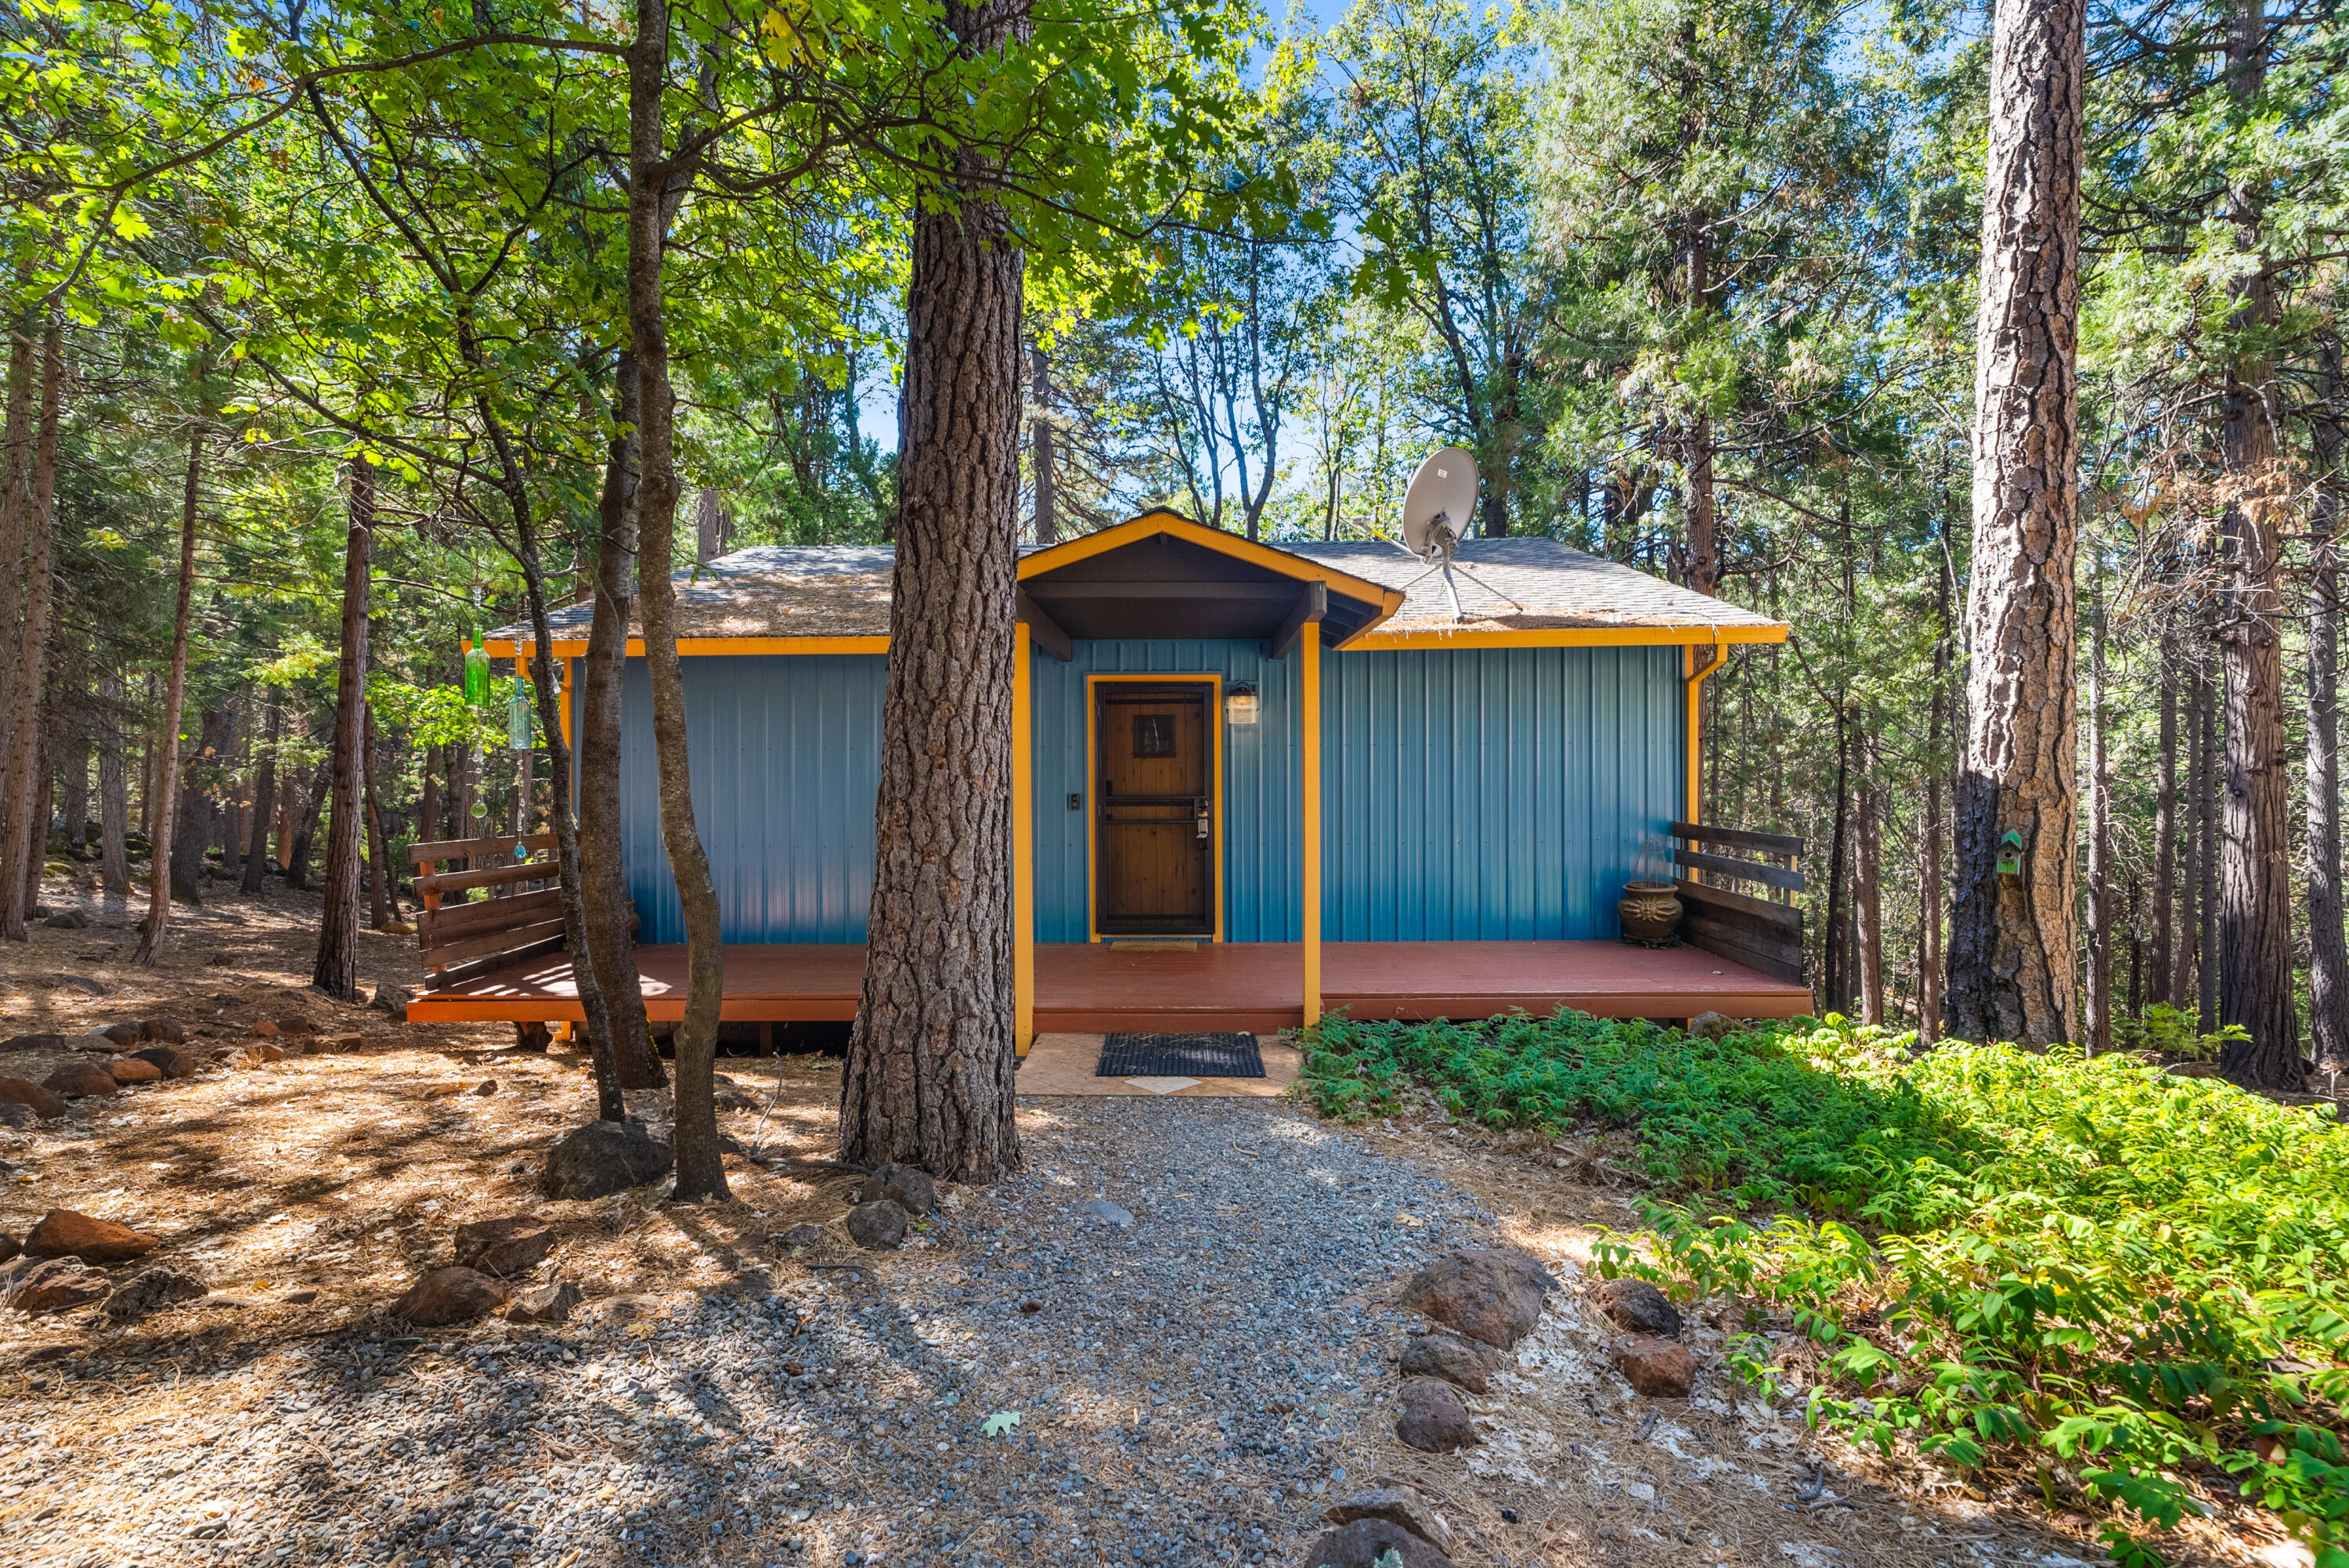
column 1438, row 511
column 1441, row 505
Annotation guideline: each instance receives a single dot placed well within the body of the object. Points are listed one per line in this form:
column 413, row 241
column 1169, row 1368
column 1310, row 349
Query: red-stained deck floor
column 1257, row 986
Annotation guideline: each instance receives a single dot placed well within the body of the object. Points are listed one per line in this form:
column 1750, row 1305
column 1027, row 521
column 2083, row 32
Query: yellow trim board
column 1214, row 682
column 1308, row 675
column 707, row 647
column 1574, row 637
column 1175, row 525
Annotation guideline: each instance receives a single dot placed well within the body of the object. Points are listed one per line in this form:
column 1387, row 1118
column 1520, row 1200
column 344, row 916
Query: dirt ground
column 310, row 1192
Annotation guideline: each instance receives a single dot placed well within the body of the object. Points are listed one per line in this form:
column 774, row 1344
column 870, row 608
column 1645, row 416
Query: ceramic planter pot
column 1650, row 912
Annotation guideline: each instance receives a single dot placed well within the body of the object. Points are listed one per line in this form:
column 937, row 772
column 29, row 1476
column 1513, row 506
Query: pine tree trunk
column 2205, row 862
column 28, row 822
column 1048, row 524
column 627, row 1052
column 336, row 969
column 2328, row 968
column 382, row 907
column 113, row 790
column 16, row 443
column 167, row 762
column 2100, row 847
column 2165, row 835
column 2013, row 940
column 700, row 1172
column 1835, row 961
column 264, row 799
column 1867, row 902
column 932, row 1055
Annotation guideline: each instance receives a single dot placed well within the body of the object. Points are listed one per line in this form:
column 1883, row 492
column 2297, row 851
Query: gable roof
column 1513, row 591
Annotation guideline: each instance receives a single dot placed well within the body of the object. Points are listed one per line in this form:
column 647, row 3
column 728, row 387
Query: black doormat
column 1180, row 1056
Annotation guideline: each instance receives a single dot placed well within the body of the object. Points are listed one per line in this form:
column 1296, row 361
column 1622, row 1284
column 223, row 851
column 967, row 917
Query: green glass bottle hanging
column 518, row 727
column 477, row 674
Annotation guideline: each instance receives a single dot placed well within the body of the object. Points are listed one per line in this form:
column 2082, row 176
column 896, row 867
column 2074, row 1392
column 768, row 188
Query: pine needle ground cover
column 2112, row 1281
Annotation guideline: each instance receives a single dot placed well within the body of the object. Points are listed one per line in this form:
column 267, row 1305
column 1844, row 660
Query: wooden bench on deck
column 521, row 916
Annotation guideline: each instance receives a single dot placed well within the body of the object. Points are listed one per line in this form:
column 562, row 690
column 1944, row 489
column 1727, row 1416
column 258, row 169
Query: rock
column 603, row 1157
column 545, row 1303
column 67, row 920
column 43, row 1103
column 1107, row 1212
column 1372, row 1543
column 391, row 999
column 506, row 1247
column 908, row 1186
column 168, row 1030
column 877, row 1225
column 65, row 1234
column 56, row 1286
column 34, row 1043
column 15, row 1117
column 1660, row 1368
column 486, row 1088
column 1450, row 1357
column 336, row 1043
column 75, row 1080
column 8, row 1247
column 122, row 1035
column 1487, row 1294
column 1405, row 1510
column 149, row 1291
column 81, row 983
column 449, row 1295
column 133, row 1070
column 1638, row 1307
column 260, row 1051
column 441, row 1091
column 1713, row 1026
column 804, row 1236
column 170, row 1062
column 1433, row 1419
column 263, row 1029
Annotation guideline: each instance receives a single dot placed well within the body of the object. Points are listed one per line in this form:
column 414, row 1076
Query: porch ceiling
column 1165, row 586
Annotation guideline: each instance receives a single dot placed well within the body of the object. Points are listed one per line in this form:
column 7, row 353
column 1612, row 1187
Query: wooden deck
column 1255, row 986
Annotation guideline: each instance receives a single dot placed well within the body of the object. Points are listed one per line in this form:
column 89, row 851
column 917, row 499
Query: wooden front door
column 1153, row 809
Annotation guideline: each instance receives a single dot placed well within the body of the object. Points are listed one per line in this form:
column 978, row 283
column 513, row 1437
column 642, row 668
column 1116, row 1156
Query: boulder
column 908, row 1186
column 149, row 1291
column 603, row 1157
column 43, row 1103
column 1106, row 1213
column 56, row 1286
column 295, row 1027
column 15, row 1117
column 263, row 1029
column 1487, row 1294
column 65, row 1234
column 391, row 999
column 133, row 1070
column 878, row 1226
column 8, row 1247
column 486, row 1088
column 1450, row 1357
column 1433, row 1420
column 804, row 1236
column 506, row 1247
column 1660, row 1368
column 1404, row 1509
column 169, row 1031
column 169, row 1060
column 337, row 1043
column 34, row 1043
column 67, row 920
column 1713, row 1026
column 449, row 1295
column 1372, row 1543
column 122, row 1035
column 259, row 1051
column 75, row 1080
column 1639, row 1307
column 545, row 1303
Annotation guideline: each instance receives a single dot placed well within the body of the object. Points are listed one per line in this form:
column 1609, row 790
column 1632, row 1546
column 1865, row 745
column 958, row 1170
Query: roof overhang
column 1164, row 575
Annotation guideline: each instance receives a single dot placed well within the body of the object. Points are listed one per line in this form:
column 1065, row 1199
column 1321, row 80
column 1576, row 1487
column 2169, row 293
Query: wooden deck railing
column 1764, row 934
column 522, row 913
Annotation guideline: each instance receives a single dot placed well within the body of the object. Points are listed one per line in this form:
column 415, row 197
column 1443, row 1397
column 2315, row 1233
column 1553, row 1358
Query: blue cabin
column 1253, row 783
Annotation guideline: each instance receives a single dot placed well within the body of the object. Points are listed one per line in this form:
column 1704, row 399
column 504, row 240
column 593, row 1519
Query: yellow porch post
column 1023, row 851
column 1308, row 670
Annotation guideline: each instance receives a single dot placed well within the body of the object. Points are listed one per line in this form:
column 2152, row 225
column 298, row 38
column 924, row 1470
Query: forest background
column 1694, row 279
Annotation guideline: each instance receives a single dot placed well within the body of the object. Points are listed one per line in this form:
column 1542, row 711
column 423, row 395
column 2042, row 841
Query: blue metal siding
column 786, row 755
column 1493, row 794
column 1263, row 788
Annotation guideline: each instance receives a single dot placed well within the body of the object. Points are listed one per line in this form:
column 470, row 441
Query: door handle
column 1201, row 808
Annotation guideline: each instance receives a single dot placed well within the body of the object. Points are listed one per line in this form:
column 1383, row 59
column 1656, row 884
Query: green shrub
column 2033, row 1258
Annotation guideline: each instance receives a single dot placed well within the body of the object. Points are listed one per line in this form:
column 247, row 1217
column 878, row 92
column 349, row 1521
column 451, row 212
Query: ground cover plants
column 2117, row 1282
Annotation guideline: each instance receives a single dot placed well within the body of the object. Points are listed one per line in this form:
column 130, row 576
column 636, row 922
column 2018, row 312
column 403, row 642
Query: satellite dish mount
column 1439, row 512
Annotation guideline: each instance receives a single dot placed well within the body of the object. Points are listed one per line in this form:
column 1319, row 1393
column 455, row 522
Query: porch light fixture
column 1239, row 705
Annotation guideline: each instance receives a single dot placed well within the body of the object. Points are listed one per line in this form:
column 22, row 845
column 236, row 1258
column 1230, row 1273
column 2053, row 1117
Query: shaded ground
column 1191, row 1389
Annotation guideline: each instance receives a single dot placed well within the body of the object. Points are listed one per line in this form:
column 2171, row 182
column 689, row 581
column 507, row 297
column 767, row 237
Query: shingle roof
column 1507, row 585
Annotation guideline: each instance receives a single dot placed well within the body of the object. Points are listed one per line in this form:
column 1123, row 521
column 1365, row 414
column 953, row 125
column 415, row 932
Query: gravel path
column 1187, row 1389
